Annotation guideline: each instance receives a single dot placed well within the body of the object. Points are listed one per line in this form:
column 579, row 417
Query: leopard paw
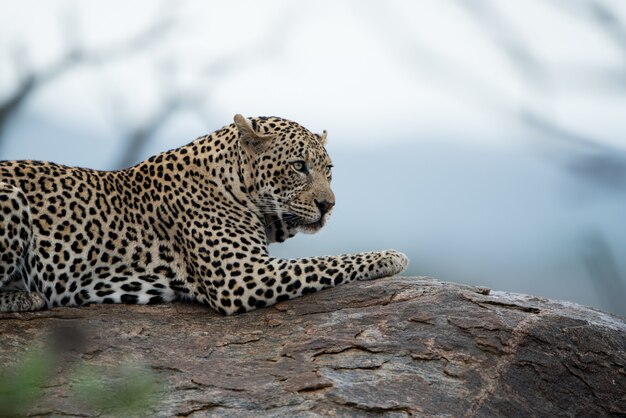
column 388, row 263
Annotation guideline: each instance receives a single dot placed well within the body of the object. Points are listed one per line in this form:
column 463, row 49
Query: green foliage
column 127, row 390
column 20, row 385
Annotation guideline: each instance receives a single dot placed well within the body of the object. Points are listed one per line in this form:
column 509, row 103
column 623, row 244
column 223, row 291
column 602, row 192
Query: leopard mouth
column 300, row 223
column 312, row 226
column 317, row 224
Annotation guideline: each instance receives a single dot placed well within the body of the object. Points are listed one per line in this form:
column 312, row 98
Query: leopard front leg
column 264, row 281
column 18, row 291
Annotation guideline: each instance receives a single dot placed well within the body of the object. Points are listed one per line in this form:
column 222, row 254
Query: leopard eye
column 299, row 166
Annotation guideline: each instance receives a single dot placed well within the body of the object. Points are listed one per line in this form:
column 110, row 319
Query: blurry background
column 485, row 139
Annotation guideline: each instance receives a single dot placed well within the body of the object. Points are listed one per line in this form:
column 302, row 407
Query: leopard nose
column 324, row 206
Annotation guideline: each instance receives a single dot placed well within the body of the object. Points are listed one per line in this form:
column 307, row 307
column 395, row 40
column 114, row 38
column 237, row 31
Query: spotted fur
column 192, row 223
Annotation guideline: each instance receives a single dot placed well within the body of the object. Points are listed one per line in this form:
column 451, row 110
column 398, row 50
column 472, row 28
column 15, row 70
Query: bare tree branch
column 509, row 41
column 604, row 272
column 33, row 80
column 598, row 12
column 587, row 158
column 598, row 162
column 140, row 136
column 175, row 99
column 10, row 106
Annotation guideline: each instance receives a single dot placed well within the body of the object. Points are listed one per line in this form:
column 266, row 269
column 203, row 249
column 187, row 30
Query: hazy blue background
column 486, row 139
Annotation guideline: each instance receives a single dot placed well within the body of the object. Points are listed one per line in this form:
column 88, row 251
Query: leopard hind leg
column 18, row 291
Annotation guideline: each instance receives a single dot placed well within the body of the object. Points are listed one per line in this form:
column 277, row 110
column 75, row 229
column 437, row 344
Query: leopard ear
column 322, row 137
column 250, row 140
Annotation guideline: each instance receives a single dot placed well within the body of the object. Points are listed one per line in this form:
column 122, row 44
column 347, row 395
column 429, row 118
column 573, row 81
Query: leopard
column 190, row 224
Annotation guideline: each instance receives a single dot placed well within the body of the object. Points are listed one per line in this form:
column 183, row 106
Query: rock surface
column 402, row 346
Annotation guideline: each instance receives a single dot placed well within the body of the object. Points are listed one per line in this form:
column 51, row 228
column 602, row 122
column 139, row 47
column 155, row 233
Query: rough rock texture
column 395, row 347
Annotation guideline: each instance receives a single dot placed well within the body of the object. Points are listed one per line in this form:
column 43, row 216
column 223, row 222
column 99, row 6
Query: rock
column 401, row 346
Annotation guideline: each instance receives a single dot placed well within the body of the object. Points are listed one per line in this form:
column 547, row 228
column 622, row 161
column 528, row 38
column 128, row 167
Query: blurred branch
column 596, row 162
column 175, row 99
column 34, row 79
column 587, row 158
column 604, row 272
column 138, row 135
column 11, row 104
column 598, row 12
column 607, row 20
column 592, row 78
column 608, row 23
column 266, row 47
column 508, row 40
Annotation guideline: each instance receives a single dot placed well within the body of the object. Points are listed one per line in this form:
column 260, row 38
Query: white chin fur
column 307, row 229
column 313, row 227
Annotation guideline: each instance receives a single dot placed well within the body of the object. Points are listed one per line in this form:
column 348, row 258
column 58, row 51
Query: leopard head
column 291, row 173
